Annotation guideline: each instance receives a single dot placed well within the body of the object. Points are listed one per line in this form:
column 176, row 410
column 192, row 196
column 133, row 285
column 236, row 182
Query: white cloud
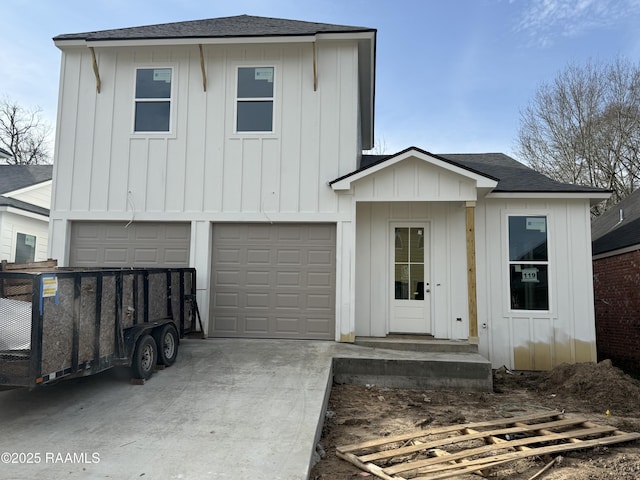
column 544, row 21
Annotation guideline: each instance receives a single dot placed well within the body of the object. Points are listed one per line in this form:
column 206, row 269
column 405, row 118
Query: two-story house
column 234, row 145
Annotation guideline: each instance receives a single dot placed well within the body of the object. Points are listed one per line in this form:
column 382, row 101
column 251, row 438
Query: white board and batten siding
column 202, row 172
column 202, row 167
column 532, row 340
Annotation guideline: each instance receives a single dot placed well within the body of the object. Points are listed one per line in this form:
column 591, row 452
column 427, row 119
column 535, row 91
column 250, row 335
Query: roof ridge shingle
column 232, row 26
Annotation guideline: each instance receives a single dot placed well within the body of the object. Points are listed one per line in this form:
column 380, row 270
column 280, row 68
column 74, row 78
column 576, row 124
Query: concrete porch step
column 416, row 370
column 417, row 343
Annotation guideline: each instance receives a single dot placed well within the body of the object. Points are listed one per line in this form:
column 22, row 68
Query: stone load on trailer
column 65, row 322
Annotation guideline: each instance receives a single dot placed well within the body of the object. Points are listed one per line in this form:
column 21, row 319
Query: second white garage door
column 273, row 281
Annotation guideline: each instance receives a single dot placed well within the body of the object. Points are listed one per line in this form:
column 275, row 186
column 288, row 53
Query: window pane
column 416, row 273
column 152, row 116
column 528, row 238
column 153, row 83
column 416, row 252
column 402, row 245
column 255, row 82
column 25, row 248
column 255, row 117
column 529, row 287
column 402, row 281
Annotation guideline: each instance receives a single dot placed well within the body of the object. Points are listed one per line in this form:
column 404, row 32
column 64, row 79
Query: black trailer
column 76, row 322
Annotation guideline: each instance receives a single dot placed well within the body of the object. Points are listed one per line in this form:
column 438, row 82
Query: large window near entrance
column 528, row 263
column 409, row 263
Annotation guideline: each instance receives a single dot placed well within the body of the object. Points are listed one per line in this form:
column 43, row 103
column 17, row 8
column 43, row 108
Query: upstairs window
column 153, row 100
column 254, row 99
column 528, row 263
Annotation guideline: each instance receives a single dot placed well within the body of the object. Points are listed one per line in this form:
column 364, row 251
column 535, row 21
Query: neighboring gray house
column 25, row 198
column 616, row 269
column 235, row 145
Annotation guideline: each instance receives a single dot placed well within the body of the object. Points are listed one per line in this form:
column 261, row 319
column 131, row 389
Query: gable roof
column 4, row 153
column 15, row 177
column 618, row 227
column 224, row 27
column 19, row 204
column 511, row 175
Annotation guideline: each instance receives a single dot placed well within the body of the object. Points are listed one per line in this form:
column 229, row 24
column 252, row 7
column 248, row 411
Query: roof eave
column 594, row 196
column 213, row 40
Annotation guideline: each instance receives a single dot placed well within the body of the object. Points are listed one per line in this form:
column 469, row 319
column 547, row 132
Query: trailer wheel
column 144, row 358
column 166, row 338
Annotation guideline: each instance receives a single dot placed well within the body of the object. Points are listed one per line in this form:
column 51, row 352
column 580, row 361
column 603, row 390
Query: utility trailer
column 70, row 322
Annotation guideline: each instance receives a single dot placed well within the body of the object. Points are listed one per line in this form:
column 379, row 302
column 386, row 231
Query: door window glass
column 409, row 263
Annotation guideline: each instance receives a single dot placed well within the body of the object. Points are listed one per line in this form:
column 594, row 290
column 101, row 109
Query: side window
column 25, row 248
column 153, row 100
column 528, row 263
column 254, row 99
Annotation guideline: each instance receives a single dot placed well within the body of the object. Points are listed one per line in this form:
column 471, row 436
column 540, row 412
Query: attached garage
column 273, row 281
column 139, row 244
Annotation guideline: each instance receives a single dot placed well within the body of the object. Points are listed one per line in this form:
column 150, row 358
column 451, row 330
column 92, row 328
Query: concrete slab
column 228, row 409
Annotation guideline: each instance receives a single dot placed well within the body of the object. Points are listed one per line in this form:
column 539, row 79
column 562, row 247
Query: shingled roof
column 512, row 176
column 618, row 227
column 15, row 177
column 225, row 27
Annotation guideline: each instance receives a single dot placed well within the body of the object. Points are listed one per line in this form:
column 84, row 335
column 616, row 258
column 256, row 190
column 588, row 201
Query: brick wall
column 616, row 284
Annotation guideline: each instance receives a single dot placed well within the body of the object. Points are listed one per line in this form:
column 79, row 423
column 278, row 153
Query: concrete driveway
column 236, row 409
column 227, row 409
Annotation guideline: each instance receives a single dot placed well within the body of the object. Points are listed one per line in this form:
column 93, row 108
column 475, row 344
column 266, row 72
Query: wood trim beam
column 95, row 69
column 315, row 68
column 470, row 224
column 202, row 69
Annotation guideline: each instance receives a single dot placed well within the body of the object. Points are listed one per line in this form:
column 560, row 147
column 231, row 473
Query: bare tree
column 24, row 134
column 584, row 128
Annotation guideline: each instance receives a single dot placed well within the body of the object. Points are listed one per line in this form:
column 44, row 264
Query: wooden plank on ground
column 490, row 444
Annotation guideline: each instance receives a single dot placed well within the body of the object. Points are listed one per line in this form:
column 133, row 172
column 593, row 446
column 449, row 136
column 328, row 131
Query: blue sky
column 452, row 75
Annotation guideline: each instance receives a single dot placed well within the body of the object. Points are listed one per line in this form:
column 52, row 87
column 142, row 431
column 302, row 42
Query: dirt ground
column 358, row 413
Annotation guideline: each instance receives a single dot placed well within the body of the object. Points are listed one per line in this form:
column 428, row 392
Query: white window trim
column 271, row 99
column 509, row 262
column 171, row 100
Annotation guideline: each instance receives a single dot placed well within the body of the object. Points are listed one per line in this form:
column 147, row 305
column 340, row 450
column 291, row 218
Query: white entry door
column 410, row 285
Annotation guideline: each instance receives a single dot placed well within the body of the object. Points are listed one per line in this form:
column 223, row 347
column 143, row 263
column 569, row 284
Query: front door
column 410, row 286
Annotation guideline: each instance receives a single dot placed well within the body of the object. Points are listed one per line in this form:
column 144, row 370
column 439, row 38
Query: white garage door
column 140, row 244
column 273, row 281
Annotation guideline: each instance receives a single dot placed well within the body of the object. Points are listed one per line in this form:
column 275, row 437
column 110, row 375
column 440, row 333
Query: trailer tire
column 144, row 358
column 166, row 338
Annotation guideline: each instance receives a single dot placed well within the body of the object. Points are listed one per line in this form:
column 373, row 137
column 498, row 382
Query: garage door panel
column 283, row 283
column 228, row 256
column 258, row 257
column 319, row 279
column 138, row 244
column 114, row 255
column 257, row 325
column 288, row 279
